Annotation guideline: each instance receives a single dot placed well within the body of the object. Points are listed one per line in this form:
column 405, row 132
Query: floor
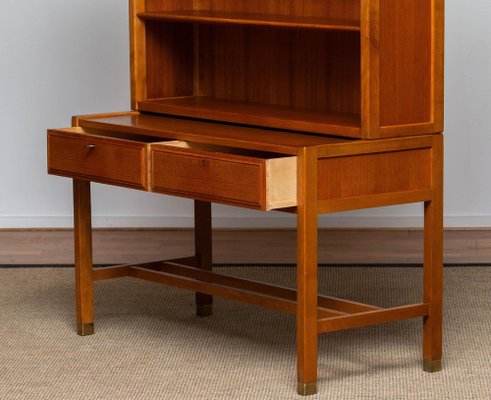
column 242, row 246
column 149, row 345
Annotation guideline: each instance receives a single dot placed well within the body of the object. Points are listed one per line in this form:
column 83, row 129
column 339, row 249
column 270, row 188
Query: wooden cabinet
column 355, row 68
column 300, row 106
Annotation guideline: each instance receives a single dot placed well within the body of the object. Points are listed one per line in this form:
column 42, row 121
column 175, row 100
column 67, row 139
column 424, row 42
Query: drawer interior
column 212, row 148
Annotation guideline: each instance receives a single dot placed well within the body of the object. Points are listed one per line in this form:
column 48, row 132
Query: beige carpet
column 149, row 345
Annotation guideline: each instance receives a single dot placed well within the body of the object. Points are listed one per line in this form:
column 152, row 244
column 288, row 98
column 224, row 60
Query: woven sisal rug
column 149, row 345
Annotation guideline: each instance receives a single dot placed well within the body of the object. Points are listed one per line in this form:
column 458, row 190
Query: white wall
column 65, row 57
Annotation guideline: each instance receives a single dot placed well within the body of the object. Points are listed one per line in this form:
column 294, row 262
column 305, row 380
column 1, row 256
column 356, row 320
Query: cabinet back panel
column 306, row 69
column 168, row 5
column 349, row 9
column 405, row 61
column 170, row 59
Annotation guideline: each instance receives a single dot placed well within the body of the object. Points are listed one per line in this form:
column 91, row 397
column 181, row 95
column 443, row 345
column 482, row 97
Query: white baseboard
column 270, row 221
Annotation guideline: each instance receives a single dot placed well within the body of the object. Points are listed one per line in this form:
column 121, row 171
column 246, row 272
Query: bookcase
column 353, row 68
column 299, row 106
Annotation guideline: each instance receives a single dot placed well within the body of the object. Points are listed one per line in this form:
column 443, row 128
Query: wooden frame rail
column 375, row 317
column 334, row 314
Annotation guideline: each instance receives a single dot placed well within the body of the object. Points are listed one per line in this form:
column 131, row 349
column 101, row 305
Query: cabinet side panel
column 138, row 69
column 348, row 9
column 405, row 62
column 370, row 69
column 169, row 59
column 438, row 64
column 374, row 174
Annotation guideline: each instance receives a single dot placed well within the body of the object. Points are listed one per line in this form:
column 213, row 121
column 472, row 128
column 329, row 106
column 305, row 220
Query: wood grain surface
column 208, row 132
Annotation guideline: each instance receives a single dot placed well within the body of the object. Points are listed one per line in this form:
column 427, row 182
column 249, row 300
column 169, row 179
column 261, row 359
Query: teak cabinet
column 355, row 68
column 306, row 107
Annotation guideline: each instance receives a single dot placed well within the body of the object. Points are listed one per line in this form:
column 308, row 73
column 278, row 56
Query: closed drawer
column 106, row 157
column 225, row 175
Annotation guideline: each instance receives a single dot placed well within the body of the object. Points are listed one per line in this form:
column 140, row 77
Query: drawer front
column 100, row 159
column 209, row 177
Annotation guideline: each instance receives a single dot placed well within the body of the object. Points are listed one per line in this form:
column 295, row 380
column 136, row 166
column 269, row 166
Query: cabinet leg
column 203, row 251
column 83, row 258
column 433, row 265
column 307, row 273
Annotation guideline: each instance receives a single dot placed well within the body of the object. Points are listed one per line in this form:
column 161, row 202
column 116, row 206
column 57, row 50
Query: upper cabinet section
column 354, row 68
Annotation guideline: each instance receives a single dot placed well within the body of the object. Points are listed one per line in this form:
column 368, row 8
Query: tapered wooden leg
column 307, row 273
column 83, row 257
column 433, row 265
column 203, row 247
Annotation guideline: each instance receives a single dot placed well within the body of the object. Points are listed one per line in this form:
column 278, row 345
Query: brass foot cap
column 307, row 389
column 204, row 310
column 85, row 329
column 432, row 365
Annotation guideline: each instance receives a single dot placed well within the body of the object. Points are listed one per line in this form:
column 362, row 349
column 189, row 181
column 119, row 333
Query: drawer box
column 225, row 175
column 105, row 157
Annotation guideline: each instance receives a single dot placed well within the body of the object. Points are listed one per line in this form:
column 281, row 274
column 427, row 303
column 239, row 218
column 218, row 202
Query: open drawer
column 225, row 175
column 116, row 158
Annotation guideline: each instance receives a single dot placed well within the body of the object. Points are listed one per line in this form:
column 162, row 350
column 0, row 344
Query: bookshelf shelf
column 241, row 18
column 281, row 117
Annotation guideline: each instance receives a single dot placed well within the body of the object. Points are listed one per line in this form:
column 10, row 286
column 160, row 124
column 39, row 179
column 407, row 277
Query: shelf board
column 237, row 18
column 266, row 115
